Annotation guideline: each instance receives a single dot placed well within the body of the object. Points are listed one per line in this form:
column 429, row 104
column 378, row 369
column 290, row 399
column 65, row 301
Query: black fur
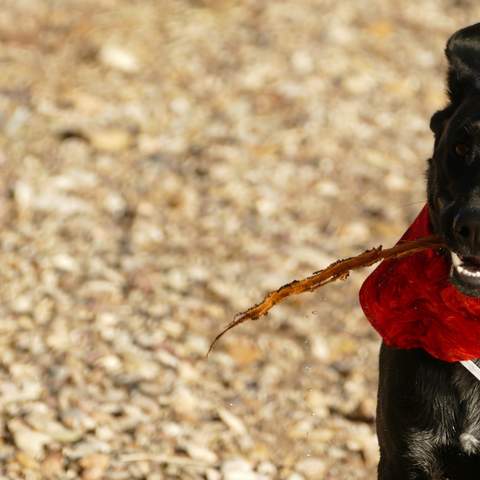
column 428, row 414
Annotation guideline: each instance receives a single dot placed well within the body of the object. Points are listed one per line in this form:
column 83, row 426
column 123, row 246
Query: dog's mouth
column 465, row 273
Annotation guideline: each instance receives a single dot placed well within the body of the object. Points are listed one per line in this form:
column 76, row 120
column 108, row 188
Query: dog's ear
column 463, row 54
column 438, row 120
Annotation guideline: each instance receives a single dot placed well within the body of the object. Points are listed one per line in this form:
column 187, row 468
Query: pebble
column 212, row 474
column 328, row 188
column 201, row 453
column 243, row 476
column 267, row 468
column 236, row 465
column 295, row 476
column 363, row 439
column 239, row 469
column 396, row 182
column 55, row 430
column 65, row 262
column 88, row 447
column 53, row 465
column 185, row 404
column 78, row 420
column 29, row 441
column 356, row 232
column 111, row 140
column 243, row 352
column 119, row 58
column 26, row 461
column 302, row 62
column 312, row 468
column 94, row 466
column 17, row 120
column 320, row 348
column 233, row 422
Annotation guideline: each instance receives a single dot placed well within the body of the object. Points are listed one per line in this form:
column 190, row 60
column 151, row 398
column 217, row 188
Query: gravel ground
column 165, row 163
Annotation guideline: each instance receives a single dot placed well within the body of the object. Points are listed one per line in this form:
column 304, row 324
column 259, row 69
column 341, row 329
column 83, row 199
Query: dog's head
column 454, row 170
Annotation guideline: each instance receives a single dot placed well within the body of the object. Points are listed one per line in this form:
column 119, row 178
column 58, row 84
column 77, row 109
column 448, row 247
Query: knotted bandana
column 412, row 304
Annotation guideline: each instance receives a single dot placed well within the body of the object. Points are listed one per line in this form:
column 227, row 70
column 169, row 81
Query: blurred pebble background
column 163, row 164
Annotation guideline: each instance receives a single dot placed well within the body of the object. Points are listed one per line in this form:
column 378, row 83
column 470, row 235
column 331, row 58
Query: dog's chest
column 449, row 423
column 468, row 417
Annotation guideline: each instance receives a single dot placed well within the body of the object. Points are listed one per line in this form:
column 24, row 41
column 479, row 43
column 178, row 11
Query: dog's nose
column 466, row 229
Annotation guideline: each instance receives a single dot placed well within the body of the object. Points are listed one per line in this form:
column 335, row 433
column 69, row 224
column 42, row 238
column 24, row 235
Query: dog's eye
column 461, row 149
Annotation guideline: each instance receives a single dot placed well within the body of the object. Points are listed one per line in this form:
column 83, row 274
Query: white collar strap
column 471, row 366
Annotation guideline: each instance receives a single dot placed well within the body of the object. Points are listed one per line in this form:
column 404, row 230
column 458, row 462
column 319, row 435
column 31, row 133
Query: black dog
column 428, row 415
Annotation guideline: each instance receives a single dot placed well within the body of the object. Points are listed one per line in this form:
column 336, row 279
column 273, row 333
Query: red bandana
column 412, row 304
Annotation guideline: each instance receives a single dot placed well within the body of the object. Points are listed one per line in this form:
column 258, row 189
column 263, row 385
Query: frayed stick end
column 250, row 314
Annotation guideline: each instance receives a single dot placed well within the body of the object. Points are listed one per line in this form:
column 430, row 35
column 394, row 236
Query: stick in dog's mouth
column 337, row 270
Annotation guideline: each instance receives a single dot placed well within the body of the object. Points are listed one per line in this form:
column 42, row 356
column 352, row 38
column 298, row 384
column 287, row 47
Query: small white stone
column 302, row 62
column 236, row 465
column 320, row 348
column 55, row 430
column 267, row 468
column 24, row 194
column 313, row 468
column 295, row 476
column 180, row 105
column 31, row 442
column 115, row 203
column 65, row 262
column 22, row 304
column 213, row 474
column 328, row 188
column 111, row 140
column 356, row 231
column 118, row 58
column 111, row 363
column 171, row 429
column 200, row 453
column 233, row 422
column 396, row 182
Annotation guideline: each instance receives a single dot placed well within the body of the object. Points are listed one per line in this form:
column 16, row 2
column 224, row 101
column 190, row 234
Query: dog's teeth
column 461, row 269
column 456, row 260
column 464, row 271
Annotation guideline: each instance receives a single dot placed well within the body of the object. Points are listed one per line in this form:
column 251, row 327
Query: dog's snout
column 466, row 229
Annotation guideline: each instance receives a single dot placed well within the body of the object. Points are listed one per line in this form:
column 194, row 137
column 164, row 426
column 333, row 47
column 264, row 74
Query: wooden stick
column 337, row 270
